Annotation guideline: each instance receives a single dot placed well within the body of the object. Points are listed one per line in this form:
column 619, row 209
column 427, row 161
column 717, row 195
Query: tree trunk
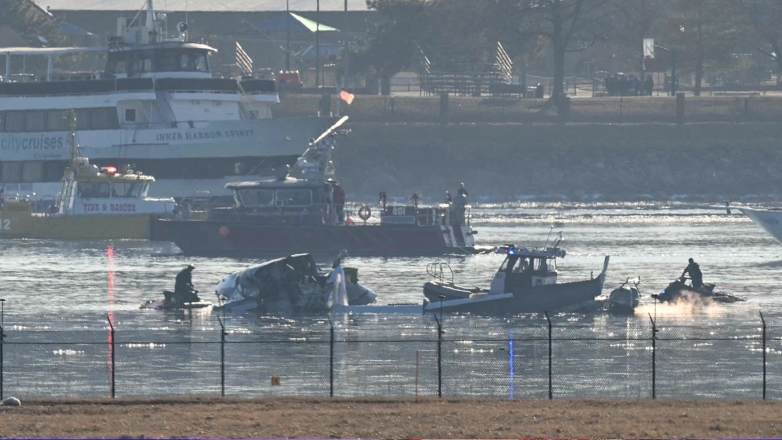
column 699, row 60
column 559, row 69
column 698, row 74
column 560, row 46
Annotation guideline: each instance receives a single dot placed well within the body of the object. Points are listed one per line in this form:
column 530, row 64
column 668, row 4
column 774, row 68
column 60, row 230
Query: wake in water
column 687, row 304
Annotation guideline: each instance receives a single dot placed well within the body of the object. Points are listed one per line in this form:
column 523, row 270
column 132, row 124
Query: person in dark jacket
column 183, row 289
column 649, row 85
column 695, row 273
column 339, row 202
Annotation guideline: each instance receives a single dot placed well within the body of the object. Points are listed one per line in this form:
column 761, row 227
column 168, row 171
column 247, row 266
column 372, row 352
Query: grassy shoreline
column 389, row 418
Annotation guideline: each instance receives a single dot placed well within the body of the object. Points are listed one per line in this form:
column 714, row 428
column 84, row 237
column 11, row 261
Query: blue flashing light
column 511, row 251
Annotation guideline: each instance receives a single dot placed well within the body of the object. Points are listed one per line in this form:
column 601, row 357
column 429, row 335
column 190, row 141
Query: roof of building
column 203, row 5
column 9, row 37
column 297, row 23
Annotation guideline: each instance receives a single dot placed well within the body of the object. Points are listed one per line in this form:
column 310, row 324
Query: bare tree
column 705, row 31
column 570, row 25
column 764, row 18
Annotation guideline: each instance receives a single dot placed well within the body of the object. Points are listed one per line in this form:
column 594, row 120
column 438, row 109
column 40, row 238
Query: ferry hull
column 74, row 227
column 210, row 238
column 769, row 220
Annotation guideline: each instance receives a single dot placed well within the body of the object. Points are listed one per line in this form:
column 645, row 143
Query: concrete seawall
column 617, row 162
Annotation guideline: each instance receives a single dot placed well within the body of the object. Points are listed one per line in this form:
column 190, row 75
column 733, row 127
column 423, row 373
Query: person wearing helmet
column 183, row 289
column 695, row 273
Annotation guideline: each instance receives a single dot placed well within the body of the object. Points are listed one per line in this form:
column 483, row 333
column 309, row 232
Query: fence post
column 550, row 389
column 2, row 337
column 439, row 359
column 764, row 354
column 222, row 356
column 111, row 346
column 654, row 358
column 444, row 116
column 680, row 108
column 331, row 359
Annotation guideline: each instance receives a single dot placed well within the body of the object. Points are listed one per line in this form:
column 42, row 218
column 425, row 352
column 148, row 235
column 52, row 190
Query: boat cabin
column 525, row 268
column 285, row 200
column 89, row 190
column 143, row 61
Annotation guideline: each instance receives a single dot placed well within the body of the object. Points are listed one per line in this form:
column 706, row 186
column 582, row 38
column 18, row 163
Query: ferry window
column 130, row 115
column 35, row 120
column 14, row 121
column 115, row 67
column 294, row 197
column 83, row 119
column 257, row 198
column 2, row 120
column 56, row 120
column 32, row 171
column 89, row 190
column 200, row 62
column 12, row 171
column 53, row 171
column 101, row 118
column 551, row 265
column 186, row 62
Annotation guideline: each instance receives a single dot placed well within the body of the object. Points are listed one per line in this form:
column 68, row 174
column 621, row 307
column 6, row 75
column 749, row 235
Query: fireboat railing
column 437, row 270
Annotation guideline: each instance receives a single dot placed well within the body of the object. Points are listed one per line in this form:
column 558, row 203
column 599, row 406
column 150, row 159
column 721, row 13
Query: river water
column 59, row 295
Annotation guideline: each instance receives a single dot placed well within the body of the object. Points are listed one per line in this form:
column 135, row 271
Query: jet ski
column 169, row 302
column 679, row 287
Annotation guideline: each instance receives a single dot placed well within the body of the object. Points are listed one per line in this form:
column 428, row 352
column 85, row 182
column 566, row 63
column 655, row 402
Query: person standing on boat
column 448, row 198
column 463, row 190
column 339, row 294
column 339, row 202
column 183, row 289
column 695, row 273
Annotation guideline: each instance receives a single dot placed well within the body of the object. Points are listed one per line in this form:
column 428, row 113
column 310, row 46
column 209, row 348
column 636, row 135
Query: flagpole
column 287, row 36
column 317, row 44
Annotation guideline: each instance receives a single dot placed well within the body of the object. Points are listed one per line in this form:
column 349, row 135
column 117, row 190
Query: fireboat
column 297, row 212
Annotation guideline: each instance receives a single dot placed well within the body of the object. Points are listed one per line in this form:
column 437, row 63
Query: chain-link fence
column 525, row 359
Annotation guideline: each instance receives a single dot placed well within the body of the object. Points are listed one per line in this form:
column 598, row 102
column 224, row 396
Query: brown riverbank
column 393, row 418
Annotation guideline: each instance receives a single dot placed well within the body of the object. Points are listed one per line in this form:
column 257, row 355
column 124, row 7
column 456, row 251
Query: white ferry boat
column 156, row 106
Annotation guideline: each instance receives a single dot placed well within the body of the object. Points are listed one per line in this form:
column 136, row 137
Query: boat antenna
column 548, row 236
column 75, row 151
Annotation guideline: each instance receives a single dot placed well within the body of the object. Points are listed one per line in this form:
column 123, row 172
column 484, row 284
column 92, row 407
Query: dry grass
column 390, row 418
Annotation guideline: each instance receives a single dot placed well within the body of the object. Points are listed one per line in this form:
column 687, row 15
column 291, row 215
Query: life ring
column 364, row 213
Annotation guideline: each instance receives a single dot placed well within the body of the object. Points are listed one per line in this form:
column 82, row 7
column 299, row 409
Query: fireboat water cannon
column 316, row 162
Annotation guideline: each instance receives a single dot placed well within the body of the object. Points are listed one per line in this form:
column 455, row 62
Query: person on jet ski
column 695, row 274
column 183, row 289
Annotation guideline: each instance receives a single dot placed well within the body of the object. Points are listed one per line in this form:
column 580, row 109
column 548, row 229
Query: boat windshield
column 89, row 190
column 127, row 189
column 294, row 197
column 256, row 198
